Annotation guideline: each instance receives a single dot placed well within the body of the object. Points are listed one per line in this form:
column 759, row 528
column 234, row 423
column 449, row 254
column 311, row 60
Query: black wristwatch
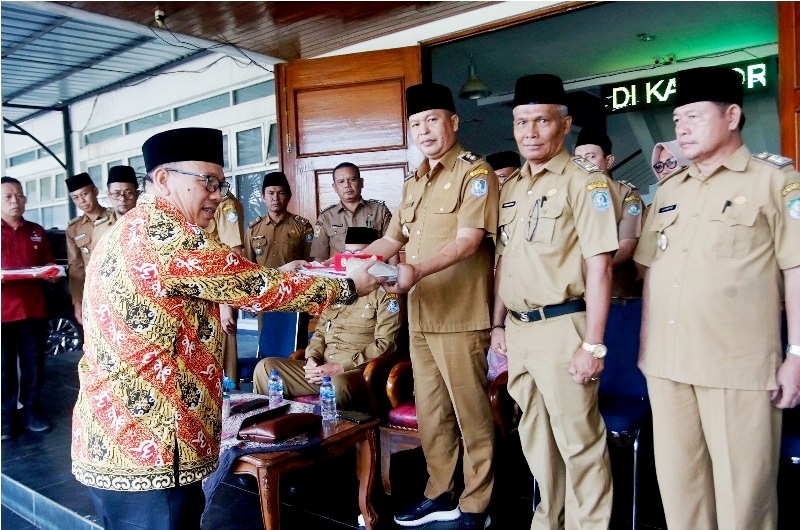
column 349, row 294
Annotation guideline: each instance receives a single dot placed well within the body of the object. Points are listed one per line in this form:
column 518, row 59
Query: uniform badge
column 80, row 236
column 662, row 241
column 478, row 187
column 259, row 251
column 393, row 306
column 447, row 186
column 231, row 215
column 552, row 192
column 794, row 208
column 309, row 237
column 773, row 160
column 479, row 171
column 85, row 250
column 790, row 188
column 634, row 209
column 406, row 231
column 317, row 229
column 741, row 199
column 600, row 200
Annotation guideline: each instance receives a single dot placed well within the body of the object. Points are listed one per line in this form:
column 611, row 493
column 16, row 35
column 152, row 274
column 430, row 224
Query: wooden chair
column 400, row 431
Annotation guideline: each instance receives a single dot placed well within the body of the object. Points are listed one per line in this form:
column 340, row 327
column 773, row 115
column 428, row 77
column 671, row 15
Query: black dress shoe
column 473, row 521
column 35, row 424
column 443, row 508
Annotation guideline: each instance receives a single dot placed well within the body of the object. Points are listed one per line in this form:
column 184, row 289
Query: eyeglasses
column 212, row 182
column 117, row 195
column 669, row 163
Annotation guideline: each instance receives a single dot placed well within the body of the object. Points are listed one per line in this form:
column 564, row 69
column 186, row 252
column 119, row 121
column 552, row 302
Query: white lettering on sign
column 629, row 95
column 652, row 90
column 756, row 73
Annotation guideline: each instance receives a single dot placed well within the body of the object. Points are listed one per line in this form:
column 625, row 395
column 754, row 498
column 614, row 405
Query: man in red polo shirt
column 24, row 244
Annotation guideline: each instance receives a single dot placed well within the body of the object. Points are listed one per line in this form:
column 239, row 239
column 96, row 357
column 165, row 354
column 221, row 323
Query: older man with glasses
column 122, row 188
column 147, row 422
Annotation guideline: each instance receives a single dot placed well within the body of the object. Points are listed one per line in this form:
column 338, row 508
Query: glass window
column 22, row 158
column 201, row 107
column 113, row 163
column 148, row 122
column 96, row 172
column 249, row 148
column 57, row 148
column 103, row 134
column 248, row 191
column 137, row 163
column 272, row 145
column 225, row 156
column 249, row 93
column 61, row 185
column 33, row 215
column 32, row 191
column 54, row 216
column 46, row 188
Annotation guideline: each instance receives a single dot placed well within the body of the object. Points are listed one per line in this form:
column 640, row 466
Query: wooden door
column 349, row 108
column 789, row 78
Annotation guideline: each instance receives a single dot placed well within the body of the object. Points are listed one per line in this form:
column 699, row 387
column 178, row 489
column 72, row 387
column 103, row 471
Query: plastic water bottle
column 275, row 389
column 327, row 399
column 227, row 387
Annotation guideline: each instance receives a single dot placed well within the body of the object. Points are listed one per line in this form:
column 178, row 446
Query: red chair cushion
column 308, row 399
column 404, row 416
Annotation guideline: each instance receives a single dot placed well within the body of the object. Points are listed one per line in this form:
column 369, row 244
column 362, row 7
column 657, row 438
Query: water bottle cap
column 273, row 372
column 326, row 379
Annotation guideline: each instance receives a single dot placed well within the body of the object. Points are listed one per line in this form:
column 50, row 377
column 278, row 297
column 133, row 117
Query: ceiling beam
column 33, row 36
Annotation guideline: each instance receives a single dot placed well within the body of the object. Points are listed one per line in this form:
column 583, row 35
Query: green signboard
column 758, row 75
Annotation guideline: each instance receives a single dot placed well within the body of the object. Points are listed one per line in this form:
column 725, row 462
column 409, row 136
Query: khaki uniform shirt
column 82, row 235
column 716, row 246
column 460, row 191
column 353, row 335
column 549, row 224
column 332, row 224
column 227, row 224
column 628, row 207
column 272, row 245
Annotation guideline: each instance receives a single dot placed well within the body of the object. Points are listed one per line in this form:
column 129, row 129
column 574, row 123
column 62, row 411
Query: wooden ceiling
column 284, row 30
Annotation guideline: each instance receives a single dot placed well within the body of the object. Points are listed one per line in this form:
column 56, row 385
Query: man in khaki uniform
column 446, row 218
column 557, row 231
column 279, row 237
column 719, row 236
column 227, row 226
column 352, row 210
column 122, row 189
column 83, row 232
column 594, row 146
column 347, row 337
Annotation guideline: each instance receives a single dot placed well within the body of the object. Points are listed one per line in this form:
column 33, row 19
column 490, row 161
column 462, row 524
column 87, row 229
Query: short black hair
column 347, row 164
column 10, row 180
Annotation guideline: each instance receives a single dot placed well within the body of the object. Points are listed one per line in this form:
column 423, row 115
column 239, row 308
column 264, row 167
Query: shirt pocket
column 542, row 224
column 443, row 219
column 732, row 232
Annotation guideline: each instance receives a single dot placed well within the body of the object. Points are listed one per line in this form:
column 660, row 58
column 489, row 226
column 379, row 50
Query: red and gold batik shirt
column 148, row 414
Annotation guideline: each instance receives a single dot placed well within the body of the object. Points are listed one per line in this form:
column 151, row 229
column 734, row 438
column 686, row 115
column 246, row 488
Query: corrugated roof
column 49, row 60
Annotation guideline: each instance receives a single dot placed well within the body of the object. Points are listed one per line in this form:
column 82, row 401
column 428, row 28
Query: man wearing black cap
column 345, row 340
column 719, row 236
column 504, row 164
column 123, row 189
column 594, row 147
column 557, row 231
column 147, row 422
column 446, row 216
column 83, row 233
column 352, row 210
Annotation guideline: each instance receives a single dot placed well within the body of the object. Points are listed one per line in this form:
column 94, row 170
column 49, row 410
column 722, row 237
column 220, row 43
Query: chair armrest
column 298, row 355
column 503, row 407
column 376, row 376
column 400, row 384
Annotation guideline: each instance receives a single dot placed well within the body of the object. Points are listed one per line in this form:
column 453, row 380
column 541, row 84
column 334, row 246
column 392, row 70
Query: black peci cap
column 594, row 135
column 81, row 180
column 718, row 84
column 276, row 178
column 191, row 144
column 504, row 159
column 539, row 89
column 122, row 174
column 428, row 96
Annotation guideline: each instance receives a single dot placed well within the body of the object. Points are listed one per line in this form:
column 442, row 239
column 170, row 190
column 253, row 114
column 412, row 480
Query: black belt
column 550, row 311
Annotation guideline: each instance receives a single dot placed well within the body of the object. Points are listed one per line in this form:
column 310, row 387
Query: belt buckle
column 524, row 317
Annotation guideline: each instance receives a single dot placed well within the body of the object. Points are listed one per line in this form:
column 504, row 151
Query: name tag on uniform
column 258, row 237
column 338, row 226
column 509, row 204
column 80, row 236
column 669, row 208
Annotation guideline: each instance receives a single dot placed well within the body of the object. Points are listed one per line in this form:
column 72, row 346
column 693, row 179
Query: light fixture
column 644, row 37
column 474, row 88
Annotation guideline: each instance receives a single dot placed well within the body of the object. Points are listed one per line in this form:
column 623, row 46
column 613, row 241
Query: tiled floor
column 319, row 499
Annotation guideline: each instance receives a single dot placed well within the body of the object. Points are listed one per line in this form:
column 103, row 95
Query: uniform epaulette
column 773, row 160
column 328, row 208
column 411, row 173
column 631, row 186
column 74, row 220
column 255, row 221
column 469, row 157
column 300, row 219
column 376, row 201
column 586, row 166
column 676, row 172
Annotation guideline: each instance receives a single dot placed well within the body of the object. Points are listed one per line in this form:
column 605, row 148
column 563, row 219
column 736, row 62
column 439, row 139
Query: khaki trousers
column 716, row 453
column 562, row 433
column 451, row 396
column 351, row 391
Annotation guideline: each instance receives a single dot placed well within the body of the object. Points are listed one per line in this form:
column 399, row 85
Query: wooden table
column 337, row 437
